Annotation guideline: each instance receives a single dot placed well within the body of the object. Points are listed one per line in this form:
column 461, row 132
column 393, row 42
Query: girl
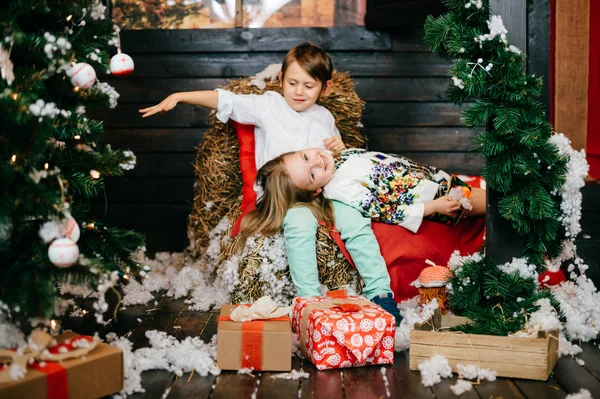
column 384, row 187
column 289, row 123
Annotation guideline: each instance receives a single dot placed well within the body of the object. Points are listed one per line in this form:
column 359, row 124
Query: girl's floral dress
column 388, row 188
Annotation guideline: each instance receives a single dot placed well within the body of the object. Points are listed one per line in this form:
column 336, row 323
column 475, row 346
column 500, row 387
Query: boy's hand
column 445, row 205
column 165, row 105
column 334, row 144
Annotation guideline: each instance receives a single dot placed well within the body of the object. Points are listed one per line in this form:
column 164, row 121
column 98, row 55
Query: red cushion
column 245, row 135
column 404, row 252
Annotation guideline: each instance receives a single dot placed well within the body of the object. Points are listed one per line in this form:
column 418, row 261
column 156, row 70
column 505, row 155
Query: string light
column 76, row 89
column 14, row 96
column 84, row 312
column 13, row 159
column 95, row 174
column 90, row 226
column 69, row 17
column 77, row 137
column 126, row 277
column 46, row 166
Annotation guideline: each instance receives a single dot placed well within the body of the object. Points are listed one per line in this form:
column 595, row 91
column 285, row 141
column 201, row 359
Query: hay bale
column 218, row 186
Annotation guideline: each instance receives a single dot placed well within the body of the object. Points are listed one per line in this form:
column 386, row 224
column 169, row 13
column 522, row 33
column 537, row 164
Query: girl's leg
column 300, row 231
column 362, row 245
column 478, row 200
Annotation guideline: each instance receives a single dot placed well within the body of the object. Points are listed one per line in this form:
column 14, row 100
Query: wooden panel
column 375, row 114
column 541, row 389
column 469, row 163
column 143, row 140
column 393, row 14
column 538, row 46
column 150, row 190
column 572, row 377
column 410, row 381
column 354, row 382
column 324, row 384
column 163, row 164
column 442, row 390
column 246, row 40
column 409, row 38
column 411, row 114
column 127, row 115
column 501, row 388
column 571, row 70
column 514, row 17
column 368, row 89
column 420, row 138
column 144, row 215
column 234, row 65
column 230, row 384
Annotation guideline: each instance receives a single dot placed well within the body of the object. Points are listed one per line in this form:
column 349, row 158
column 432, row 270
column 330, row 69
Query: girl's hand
column 445, row 205
column 334, row 144
column 165, row 105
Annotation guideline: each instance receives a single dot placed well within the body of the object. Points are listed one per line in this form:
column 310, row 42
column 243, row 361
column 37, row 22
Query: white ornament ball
column 121, row 65
column 82, row 75
column 72, row 231
column 63, row 252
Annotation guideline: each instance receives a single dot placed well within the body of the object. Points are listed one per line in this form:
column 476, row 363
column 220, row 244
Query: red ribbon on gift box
column 252, row 340
column 56, row 374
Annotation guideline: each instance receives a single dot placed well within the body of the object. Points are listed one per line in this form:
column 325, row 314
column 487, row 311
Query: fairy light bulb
column 46, row 166
column 95, row 174
column 76, row 89
column 77, row 137
column 69, row 17
column 14, row 96
column 13, row 159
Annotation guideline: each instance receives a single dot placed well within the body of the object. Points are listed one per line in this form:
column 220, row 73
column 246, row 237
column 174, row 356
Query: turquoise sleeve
column 357, row 234
column 300, row 232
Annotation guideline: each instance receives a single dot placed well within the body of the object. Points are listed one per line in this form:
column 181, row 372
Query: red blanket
column 404, row 252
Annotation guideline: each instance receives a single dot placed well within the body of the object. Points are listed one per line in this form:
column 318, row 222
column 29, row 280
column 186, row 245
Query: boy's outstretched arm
column 204, row 98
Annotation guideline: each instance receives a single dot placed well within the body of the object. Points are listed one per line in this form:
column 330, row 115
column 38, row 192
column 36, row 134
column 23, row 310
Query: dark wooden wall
column 401, row 81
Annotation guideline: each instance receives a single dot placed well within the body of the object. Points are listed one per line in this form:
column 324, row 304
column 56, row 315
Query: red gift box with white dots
column 343, row 331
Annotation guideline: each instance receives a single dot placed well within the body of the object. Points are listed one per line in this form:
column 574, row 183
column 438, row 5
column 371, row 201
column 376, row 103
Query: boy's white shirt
column 351, row 181
column 279, row 129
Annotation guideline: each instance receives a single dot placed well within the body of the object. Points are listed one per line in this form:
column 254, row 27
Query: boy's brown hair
column 312, row 58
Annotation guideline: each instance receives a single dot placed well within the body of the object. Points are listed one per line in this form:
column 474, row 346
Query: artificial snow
column 461, row 387
column 473, row 372
column 386, row 382
column 412, row 313
column 166, row 353
column 292, row 375
column 433, row 369
column 582, row 394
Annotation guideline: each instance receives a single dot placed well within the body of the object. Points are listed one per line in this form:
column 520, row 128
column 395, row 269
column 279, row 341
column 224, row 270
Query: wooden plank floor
column 173, row 317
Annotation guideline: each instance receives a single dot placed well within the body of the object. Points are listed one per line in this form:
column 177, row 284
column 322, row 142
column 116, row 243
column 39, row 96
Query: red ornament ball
column 121, row 65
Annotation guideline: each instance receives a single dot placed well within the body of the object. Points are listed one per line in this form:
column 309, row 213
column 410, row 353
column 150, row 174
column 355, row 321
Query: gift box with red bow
column 254, row 340
column 339, row 331
column 69, row 366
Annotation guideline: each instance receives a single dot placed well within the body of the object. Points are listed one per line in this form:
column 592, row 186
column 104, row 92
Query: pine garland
column 502, row 102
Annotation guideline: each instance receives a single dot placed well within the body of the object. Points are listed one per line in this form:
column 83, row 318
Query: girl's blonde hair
column 281, row 194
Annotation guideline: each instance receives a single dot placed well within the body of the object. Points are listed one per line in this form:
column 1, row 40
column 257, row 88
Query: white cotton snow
column 473, row 372
column 269, row 74
column 433, row 369
column 461, row 387
column 292, row 375
column 412, row 313
column 582, row 394
column 521, row 266
column 166, row 353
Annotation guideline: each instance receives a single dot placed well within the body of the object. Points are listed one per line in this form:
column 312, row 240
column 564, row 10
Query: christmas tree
column 52, row 164
column 523, row 163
